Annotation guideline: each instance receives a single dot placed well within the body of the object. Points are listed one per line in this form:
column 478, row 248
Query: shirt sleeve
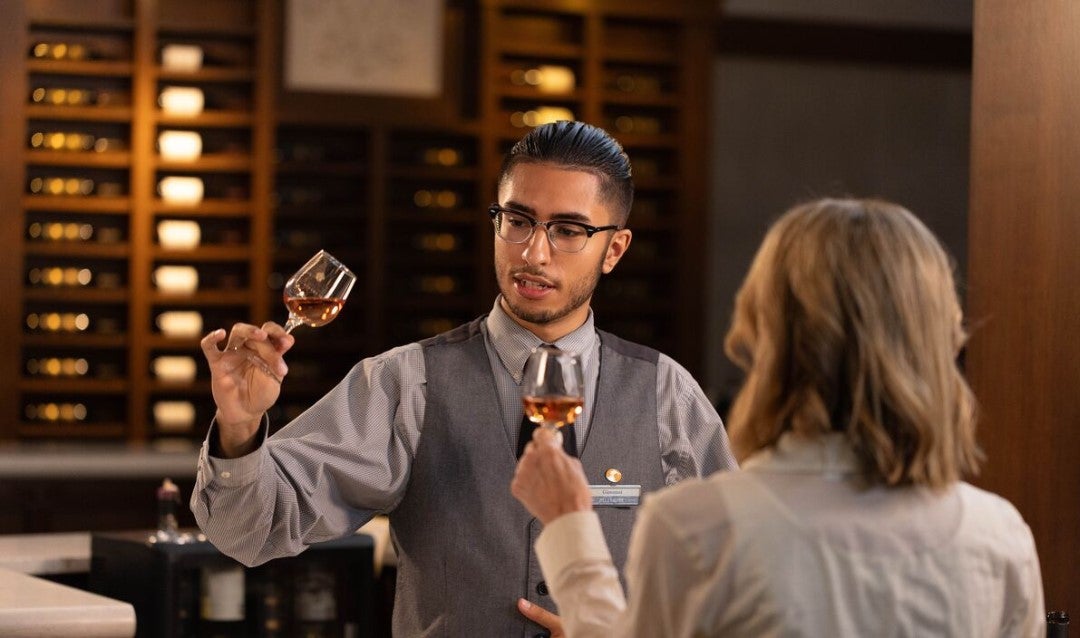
column 663, row 578
column 324, row 474
column 693, row 441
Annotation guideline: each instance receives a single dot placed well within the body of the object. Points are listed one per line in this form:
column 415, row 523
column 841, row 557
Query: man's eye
column 566, row 230
column 516, row 222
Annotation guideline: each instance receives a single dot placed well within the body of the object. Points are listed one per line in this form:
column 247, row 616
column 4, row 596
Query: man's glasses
column 566, row 236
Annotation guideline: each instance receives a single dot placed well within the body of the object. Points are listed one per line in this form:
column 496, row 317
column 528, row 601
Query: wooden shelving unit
column 396, row 188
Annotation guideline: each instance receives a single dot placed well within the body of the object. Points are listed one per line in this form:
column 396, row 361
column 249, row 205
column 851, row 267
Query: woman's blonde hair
column 849, row 321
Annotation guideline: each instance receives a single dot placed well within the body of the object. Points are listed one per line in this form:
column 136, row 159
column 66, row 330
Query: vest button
column 541, row 588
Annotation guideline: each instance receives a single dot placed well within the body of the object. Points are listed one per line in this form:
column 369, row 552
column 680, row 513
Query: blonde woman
column 854, row 430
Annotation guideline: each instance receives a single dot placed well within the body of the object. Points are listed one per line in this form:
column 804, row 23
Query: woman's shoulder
column 994, row 521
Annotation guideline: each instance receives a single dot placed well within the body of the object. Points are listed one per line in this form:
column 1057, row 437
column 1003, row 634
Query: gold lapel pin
column 613, row 475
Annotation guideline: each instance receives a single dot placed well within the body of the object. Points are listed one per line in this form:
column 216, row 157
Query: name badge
column 615, row 495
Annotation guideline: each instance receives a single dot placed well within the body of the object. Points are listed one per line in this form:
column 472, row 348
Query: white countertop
column 67, row 553
column 176, row 459
column 31, row 606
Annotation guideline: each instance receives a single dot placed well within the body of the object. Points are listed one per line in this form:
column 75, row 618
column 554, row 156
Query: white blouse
column 794, row 546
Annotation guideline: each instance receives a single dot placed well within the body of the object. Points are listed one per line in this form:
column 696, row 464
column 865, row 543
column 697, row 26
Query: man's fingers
column 242, row 333
column 280, row 339
column 541, row 616
column 209, row 345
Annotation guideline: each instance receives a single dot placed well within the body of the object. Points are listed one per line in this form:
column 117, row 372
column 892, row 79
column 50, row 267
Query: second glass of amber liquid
column 553, row 390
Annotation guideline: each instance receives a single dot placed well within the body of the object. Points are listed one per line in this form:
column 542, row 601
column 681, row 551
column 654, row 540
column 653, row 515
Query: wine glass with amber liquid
column 553, row 390
column 314, row 296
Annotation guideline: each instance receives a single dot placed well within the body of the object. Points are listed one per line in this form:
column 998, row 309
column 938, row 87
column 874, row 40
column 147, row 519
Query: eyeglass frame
column 494, row 210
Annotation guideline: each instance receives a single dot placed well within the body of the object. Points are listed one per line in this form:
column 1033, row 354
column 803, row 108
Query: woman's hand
column 549, row 482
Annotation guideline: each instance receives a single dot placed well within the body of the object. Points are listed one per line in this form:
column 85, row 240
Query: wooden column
column 1024, row 271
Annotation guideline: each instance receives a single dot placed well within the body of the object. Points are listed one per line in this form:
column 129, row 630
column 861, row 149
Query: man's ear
column 617, row 247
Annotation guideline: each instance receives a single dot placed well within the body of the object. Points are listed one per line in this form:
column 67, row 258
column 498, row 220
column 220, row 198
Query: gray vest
column 464, row 544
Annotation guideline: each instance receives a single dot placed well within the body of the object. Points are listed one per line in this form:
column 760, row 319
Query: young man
column 428, row 432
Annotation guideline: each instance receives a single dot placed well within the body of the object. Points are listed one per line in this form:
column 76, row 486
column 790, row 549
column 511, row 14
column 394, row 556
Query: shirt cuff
column 568, row 539
column 231, row 472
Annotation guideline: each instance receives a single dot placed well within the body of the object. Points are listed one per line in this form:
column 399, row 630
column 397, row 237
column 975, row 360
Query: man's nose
column 538, row 248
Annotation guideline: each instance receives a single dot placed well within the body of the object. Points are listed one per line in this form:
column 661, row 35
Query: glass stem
column 258, row 362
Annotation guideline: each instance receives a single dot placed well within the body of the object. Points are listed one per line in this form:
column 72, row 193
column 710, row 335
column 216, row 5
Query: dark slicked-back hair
column 580, row 147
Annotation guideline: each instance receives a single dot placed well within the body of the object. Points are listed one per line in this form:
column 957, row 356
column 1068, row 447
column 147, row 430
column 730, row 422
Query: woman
column 854, row 429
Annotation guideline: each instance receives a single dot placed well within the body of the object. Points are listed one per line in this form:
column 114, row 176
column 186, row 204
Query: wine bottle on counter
column 315, row 601
column 221, row 609
column 168, row 529
column 1057, row 624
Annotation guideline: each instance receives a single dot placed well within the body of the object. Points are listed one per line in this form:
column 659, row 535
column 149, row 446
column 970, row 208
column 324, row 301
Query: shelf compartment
column 78, row 249
column 207, row 74
column 110, row 159
column 206, row 208
column 69, row 431
column 238, row 297
column 86, row 113
column 208, row 119
column 89, row 295
column 68, row 386
column 209, row 163
column 85, row 68
column 95, row 204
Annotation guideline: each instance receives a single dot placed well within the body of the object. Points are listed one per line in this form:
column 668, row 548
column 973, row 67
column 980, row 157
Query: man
column 428, row 432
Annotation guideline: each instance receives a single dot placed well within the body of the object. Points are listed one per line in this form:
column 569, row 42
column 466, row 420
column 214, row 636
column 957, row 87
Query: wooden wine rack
column 396, row 188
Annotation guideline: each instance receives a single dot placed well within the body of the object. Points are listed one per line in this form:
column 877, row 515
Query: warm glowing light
column 174, row 368
column 174, row 416
column 551, row 78
column 180, row 323
column 185, row 101
column 181, row 57
column 178, row 234
column 180, row 146
column 181, row 190
column 176, row 279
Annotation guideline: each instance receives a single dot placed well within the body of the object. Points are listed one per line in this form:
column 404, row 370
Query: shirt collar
column 513, row 343
column 830, row 455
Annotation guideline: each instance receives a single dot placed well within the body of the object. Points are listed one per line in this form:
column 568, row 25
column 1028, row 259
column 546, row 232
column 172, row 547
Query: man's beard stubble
column 580, row 294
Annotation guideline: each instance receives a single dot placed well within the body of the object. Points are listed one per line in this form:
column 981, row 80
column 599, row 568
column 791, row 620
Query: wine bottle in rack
column 60, row 51
column 68, row 186
column 55, row 412
column 437, row 242
column 315, row 600
column 436, row 284
column 221, row 595
column 57, row 367
column 444, row 198
column 63, row 96
column 57, row 276
column 59, row 231
column 66, row 322
column 61, row 141
column 441, row 156
column 270, row 604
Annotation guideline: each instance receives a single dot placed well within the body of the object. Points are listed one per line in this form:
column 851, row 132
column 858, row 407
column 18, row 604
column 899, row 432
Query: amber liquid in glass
column 556, row 410
column 314, row 311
